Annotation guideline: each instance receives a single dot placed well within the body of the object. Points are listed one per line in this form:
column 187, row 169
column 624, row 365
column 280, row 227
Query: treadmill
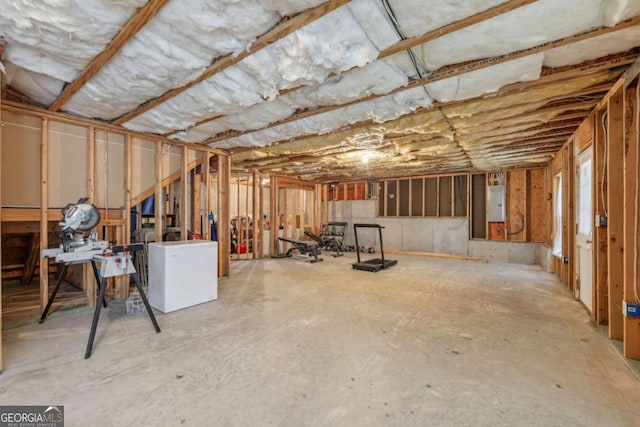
column 374, row 264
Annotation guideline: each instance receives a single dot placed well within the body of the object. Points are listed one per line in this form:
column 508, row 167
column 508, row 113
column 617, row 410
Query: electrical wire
column 604, row 162
column 420, row 68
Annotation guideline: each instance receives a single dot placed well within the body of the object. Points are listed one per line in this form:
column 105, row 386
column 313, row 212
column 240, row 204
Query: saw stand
column 117, row 262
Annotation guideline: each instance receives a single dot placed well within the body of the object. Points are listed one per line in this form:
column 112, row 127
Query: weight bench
column 303, row 248
column 326, row 242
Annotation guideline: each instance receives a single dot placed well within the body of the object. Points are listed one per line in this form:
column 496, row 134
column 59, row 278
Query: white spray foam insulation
column 331, row 44
column 379, row 110
column 576, row 53
column 616, row 11
column 375, row 22
column 377, row 78
column 257, row 116
column 303, row 57
column 200, row 133
column 40, row 87
column 172, row 49
column 417, row 17
column 289, row 7
column 525, row 27
column 487, row 80
column 59, row 38
column 220, row 95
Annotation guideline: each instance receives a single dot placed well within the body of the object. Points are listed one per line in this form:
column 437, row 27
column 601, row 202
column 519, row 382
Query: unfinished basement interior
column 309, row 212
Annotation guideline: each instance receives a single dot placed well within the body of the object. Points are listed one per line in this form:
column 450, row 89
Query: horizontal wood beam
column 130, row 29
column 283, row 29
column 54, row 214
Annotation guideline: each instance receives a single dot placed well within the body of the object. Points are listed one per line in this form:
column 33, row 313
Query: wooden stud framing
column 273, row 213
column 207, row 179
column 224, row 180
column 44, row 210
column 261, row 219
column 615, row 208
column 184, row 197
column 600, row 261
column 256, row 229
column 158, row 191
column 631, row 329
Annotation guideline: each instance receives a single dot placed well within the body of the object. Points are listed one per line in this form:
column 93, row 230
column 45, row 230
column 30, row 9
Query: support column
column 224, row 226
column 600, row 233
column 159, row 202
column 615, row 208
column 44, row 212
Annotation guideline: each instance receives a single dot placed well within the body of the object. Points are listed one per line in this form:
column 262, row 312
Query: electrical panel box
column 496, row 203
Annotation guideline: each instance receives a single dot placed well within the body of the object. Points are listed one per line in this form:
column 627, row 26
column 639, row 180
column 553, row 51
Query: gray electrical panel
column 496, row 203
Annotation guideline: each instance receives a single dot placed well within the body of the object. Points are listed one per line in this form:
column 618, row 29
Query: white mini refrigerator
column 182, row 274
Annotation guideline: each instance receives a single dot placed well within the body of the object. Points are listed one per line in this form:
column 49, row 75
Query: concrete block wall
column 440, row 235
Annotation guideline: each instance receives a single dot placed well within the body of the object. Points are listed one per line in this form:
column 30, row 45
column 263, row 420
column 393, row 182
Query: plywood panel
column 68, row 169
column 403, row 194
column 537, row 212
column 20, row 160
column 460, row 195
column 516, row 205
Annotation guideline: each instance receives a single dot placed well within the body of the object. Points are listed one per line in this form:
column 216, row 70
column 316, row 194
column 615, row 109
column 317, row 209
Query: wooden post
column 262, row 222
column 128, row 143
column 196, row 205
column 224, row 180
column 159, row 202
column 257, row 216
column 275, row 218
column 631, row 329
column 184, row 188
column 88, row 278
column 615, row 177
column 44, row 212
column 571, row 218
column 600, row 263
column 207, row 179
column 325, row 206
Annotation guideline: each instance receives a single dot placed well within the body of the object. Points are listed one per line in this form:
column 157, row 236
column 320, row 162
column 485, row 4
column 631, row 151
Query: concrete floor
column 428, row 342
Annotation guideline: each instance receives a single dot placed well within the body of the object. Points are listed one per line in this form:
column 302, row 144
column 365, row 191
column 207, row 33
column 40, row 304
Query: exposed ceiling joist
column 454, row 26
column 131, row 28
column 283, row 29
column 416, row 41
column 550, row 76
column 444, row 73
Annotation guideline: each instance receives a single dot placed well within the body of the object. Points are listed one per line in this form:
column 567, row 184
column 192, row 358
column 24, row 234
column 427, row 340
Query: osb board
column 143, row 165
column 538, row 211
column 584, row 134
column 68, row 171
column 109, row 170
column 516, row 206
column 20, row 159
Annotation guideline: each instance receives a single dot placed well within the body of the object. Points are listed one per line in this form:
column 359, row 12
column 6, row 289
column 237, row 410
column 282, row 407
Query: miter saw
column 76, row 248
column 78, row 218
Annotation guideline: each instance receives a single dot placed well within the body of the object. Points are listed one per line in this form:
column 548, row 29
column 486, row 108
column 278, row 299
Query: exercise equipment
column 374, row 264
column 330, row 244
column 304, row 248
